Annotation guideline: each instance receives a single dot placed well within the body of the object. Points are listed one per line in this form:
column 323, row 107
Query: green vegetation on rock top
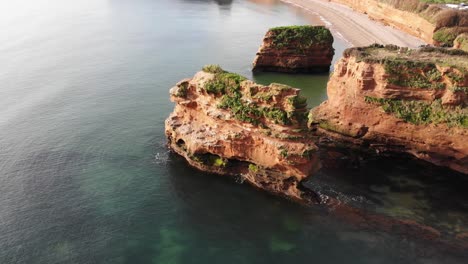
column 223, row 81
column 228, row 86
column 303, row 36
column 212, row 68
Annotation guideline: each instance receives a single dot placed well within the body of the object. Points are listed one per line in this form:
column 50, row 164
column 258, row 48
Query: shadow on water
column 400, row 192
column 234, row 223
column 224, row 209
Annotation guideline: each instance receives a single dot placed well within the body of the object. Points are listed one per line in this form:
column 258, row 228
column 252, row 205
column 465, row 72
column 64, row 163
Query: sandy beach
column 355, row 28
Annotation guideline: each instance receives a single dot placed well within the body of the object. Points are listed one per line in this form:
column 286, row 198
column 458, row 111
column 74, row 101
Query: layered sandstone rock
column 225, row 124
column 400, row 100
column 295, row 49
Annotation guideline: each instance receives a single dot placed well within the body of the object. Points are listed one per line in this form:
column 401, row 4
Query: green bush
column 278, row 116
column 224, row 82
column 210, row 159
column 213, row 68
column 183, row 89
column 298, row 102
column 253, row 168
column 446, row 36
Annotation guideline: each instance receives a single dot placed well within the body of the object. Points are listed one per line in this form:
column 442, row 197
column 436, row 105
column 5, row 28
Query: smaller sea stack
column 295, row 49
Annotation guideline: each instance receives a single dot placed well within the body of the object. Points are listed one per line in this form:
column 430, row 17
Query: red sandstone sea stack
column 225, row 124
column 295, row 49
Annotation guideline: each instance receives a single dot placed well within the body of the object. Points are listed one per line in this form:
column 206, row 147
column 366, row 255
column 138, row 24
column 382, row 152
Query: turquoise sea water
column 86, row 177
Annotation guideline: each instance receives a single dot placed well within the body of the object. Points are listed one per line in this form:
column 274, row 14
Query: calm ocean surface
column 86, row 177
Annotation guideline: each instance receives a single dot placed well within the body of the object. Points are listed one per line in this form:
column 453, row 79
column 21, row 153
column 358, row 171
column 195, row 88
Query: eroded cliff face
column 406, row 21
column 399, row 100
column 295, row 49
column 225, row 124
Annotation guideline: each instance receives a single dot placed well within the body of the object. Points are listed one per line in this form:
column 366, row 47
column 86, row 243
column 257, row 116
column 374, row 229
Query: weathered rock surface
column 399, row 100
column 295, row 49
column 225, row 124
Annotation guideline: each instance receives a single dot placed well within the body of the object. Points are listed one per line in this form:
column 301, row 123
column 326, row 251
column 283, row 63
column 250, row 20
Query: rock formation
column 295, row 49
column 225, row 124
column 399, row 100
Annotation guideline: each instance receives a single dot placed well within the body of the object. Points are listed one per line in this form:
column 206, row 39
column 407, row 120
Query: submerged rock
column 400, row 100
column 295, row 49
column 225, row 124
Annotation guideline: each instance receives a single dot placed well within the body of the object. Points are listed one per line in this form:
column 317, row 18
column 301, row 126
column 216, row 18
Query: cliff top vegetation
column 417, row 57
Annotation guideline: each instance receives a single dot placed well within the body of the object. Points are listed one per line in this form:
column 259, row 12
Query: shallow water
column 85, row 176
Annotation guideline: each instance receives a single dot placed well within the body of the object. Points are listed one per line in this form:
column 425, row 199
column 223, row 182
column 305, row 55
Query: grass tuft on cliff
column 461, row 42
column 223, row 81
column 420, row 112
column 212, row 68
column 302, row 36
